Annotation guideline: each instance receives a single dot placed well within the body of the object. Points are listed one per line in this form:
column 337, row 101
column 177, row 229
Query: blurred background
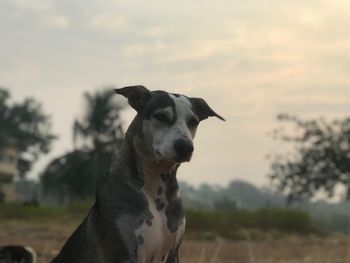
column 270, row 184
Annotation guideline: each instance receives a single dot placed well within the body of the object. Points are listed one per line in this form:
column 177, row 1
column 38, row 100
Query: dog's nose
column 183, row 149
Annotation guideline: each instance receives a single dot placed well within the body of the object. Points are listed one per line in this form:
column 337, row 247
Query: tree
column 67, row 177
column 100, row 126
column 27, row 126
column 225, row 204
column 320, row 160
column 96, row 136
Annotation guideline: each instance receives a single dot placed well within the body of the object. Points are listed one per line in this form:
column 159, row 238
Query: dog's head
column 167, row 122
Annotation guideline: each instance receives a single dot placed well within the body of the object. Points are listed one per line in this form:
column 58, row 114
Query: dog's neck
column 151, row 173
column 154, row 175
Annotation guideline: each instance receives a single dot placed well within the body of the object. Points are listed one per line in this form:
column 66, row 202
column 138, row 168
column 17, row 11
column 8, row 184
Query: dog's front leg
column 173, row 256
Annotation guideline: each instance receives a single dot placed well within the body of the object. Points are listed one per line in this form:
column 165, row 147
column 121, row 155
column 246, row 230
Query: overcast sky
column 250, row 59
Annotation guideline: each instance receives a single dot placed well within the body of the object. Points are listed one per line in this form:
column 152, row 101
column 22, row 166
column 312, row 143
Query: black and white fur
column 17, row 254
column 138, row 215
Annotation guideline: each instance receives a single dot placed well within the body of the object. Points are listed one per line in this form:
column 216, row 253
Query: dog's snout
column 183, row 149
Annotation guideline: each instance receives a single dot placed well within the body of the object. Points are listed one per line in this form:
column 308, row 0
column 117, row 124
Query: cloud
column 249, row 59
column 109, row 21
column 36, row 5
column 56, row 21
column 43, row 12
column 156, row 31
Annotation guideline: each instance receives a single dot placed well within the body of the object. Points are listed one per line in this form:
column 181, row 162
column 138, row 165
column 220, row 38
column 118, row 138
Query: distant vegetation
column 319, row 160
column 236, row 195
column 239, row 195
column 26, row 126
column 243, row 224
column 200, row 224
column 96, row 136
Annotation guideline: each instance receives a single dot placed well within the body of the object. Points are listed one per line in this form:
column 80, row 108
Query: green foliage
column 236, row 195
column 336, row 222
column 74, row 175
column 100, row 126
column 76, row 211
column 225, row 204
column 320, row 160
column 27, row 126
column 15, row 211
column 66, row 176
column 202, row 224
column 340, row 223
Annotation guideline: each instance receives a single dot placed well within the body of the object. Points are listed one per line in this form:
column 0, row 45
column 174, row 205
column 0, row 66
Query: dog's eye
column 161, row 117
column 192, row 123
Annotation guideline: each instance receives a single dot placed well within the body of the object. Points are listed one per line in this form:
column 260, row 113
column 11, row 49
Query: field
column 48, row 237
column 47, row 230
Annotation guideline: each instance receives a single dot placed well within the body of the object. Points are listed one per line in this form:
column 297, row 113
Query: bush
column 201, row 224
column 19, row 211
column 238, row 223
column 15, row 211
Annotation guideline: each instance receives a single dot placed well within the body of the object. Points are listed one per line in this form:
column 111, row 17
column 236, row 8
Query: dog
column 17, row 254
column 138, row 215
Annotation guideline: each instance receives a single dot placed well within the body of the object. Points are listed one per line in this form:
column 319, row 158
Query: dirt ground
column 47, row 238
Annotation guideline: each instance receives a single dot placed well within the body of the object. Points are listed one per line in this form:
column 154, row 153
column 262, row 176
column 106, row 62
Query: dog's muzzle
column 183, row 149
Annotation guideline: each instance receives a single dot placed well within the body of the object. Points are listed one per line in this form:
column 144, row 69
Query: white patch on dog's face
column 169, row 124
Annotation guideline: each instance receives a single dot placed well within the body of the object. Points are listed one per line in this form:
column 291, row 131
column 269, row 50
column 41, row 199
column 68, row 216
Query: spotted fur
column 138, row 215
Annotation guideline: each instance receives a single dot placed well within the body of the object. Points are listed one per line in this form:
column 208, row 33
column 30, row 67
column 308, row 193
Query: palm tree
column 100, row 126
column 100, row 132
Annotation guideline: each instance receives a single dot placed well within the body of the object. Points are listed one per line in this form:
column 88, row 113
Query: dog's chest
column 154, row 237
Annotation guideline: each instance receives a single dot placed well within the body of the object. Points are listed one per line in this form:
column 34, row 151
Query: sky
column 249, row 59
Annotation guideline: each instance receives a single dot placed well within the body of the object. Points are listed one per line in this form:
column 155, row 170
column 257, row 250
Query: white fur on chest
column 155, row 240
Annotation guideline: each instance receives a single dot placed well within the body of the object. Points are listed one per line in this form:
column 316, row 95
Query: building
column 8, row 171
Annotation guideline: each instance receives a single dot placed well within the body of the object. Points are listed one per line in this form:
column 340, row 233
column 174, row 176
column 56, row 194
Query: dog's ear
column 137, row 96
column 203, row 110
